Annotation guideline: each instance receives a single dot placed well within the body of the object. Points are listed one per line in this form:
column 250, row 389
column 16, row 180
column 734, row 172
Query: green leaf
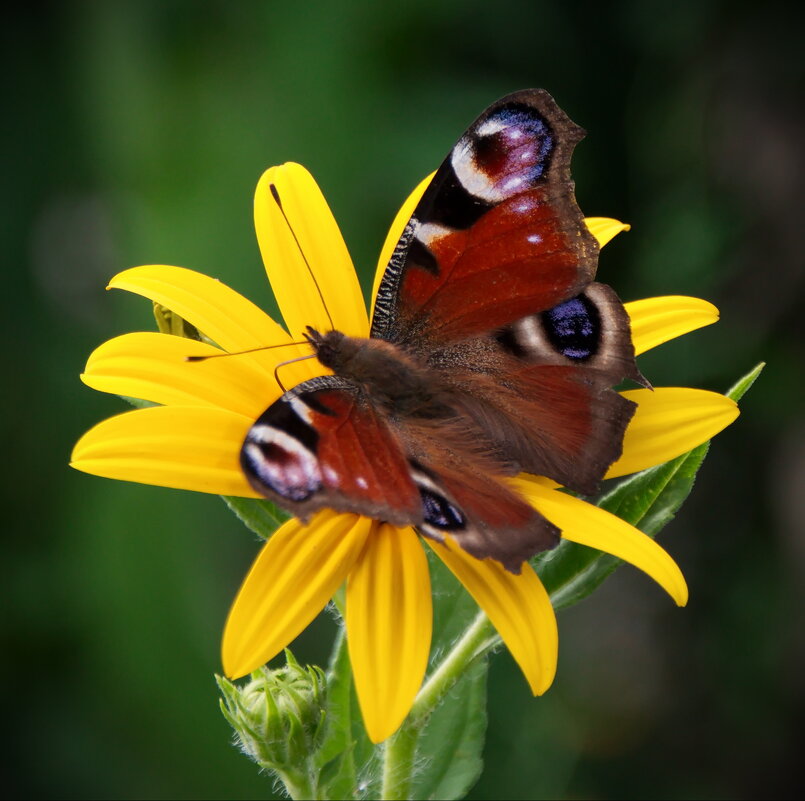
column 453, row 607
column 168, row 322
column 257, row 514
column 648, row 500
column 743, row 384
column 138, row 403
column 449, row 750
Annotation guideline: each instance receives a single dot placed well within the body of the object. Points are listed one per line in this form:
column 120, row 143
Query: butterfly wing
column 491, row 283
column 496, row 236
column 542, row 388
column 324, row 445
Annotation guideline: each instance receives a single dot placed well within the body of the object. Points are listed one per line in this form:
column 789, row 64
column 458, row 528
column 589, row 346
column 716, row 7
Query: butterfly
column 492, row 351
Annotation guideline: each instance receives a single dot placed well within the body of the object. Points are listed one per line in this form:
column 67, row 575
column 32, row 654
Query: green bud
column 169, row 322
column 278, row 716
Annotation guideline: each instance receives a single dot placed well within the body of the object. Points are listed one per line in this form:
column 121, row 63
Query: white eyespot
column 529, row 334
column 281, row 462
column 534, row 239
column 330, row 476
column 491, row 127
column 361, row 482
column 261, row 432
column 474, row 180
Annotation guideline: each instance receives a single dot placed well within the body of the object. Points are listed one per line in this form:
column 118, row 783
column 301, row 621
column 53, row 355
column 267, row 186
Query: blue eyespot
column 439, row 512
column 574, row 328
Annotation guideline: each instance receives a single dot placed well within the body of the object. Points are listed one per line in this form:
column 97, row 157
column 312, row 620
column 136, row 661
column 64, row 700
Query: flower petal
column 656, row 320
column 670, row 421
column 297, row 572
column 396, row 230
column 300, row 239
column 153, row 367
column 518, row 607
column 389, row 620
column 220, row 313
column 605, row 229
column 589, row 525
column 184, row 447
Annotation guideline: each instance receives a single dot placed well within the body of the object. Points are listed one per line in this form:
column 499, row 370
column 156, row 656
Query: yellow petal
column 184, row 447
column 670, row 421
column 605, row 229
column 389, row 620
column 395, row 232
column 153, row 367
column 295, row 575
column 656, row 320
column 518, row 607
column 223, row 315
column 300, row 240
column 589, row 525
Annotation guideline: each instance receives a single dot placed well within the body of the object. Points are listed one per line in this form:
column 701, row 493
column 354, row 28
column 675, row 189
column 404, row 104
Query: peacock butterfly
column 492, row 352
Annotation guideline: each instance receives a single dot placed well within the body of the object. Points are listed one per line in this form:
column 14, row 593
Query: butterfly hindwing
column 465, row 498
column 323, row 445
column 542, row 388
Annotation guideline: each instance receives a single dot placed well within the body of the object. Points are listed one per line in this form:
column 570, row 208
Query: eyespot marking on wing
column 281, row 462
column 574, row 328
column 505, row 154
column 439, row 514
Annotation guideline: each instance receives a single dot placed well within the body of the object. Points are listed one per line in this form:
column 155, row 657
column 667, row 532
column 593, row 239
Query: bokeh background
column 135, row 132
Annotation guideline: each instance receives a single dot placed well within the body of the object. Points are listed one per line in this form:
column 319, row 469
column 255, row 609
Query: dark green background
column 135, row 132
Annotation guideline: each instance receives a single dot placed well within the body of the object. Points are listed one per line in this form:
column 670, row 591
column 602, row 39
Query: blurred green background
column 135, row 132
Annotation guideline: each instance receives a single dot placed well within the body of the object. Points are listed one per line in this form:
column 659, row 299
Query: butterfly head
column 332, row 349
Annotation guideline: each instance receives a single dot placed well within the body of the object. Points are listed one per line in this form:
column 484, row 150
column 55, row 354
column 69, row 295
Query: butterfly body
column 492, row 352
column 391, row 379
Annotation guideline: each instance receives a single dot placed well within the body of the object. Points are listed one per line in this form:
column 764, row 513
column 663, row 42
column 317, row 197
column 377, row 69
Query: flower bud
column 168, row 322
column 278, row 715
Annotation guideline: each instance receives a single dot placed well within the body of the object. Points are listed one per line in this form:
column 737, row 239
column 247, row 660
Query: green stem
column 478, row 639
column 400, row 750
column 299, row 784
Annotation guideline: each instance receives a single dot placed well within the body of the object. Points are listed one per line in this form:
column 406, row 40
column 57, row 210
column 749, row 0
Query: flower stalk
column 399, row 753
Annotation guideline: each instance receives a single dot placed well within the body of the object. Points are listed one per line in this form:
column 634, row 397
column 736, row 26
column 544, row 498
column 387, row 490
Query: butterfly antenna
column 276, row 195
column 290, row 361
column 250, row 350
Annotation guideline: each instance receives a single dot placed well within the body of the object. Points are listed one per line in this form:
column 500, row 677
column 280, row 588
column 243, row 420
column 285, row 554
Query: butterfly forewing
column 323, row 444
column 497, row 234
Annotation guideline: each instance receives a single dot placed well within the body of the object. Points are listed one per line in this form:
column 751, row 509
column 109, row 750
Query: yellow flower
column 192, row 440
